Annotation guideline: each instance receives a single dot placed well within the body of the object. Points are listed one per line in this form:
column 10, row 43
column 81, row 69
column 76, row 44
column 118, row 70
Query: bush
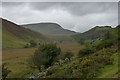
column 61, row 56
column 87, row 50
column 82, row 41
column 5, row 71
column 51, row 70
column 32, row 43
column 68, row 55
column 39, row 59
column 45, row 55
column 27, row 46
column 104, row 44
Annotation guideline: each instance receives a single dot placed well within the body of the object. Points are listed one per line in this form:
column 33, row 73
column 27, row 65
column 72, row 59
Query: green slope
column 103, row 63
column 86, row 67
column 49, row 29
column 11, row 41
column 109, row 71
column 97, row 32
column 15, row 36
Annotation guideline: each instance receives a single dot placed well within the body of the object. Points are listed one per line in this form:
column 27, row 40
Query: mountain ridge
column 92, row 34
column 49, row 28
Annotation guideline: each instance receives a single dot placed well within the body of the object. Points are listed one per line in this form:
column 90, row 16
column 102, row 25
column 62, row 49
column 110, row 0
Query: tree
column 45, row 55
column 32, row 43
column 82, row 41
column 27, row 45
column 88, row 44
column 87, row 50
column 39, row 59
column 5, row 71
column 108, row 40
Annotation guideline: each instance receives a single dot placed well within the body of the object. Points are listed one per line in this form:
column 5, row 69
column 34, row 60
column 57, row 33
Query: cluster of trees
column 31, row 43
column 87, row 50
column 45, row 55
column 48, row 54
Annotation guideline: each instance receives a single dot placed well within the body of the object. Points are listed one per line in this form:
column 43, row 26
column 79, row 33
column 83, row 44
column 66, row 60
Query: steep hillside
column 15, row 36
column 49, row 29
column 101, row 63
column 97, row 32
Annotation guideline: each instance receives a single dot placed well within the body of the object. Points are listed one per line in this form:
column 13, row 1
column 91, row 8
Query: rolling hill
column 15, row 36
column 49, row 29
column 97, row 32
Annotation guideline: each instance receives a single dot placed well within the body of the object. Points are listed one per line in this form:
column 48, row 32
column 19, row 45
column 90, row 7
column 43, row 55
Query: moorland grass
column 109, row 71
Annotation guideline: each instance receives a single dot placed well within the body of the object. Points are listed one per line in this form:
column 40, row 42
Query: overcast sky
column 76, row 16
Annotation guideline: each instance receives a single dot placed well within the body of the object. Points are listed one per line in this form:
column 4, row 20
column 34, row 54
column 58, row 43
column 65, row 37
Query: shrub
column 68, row 55
column 104, row 44
column 5, row 71
column 26, row 45
column 45, row 55
column 82, row 41
column 32, row 43
column 39, row 59
column 85, row 52
column 51, row 70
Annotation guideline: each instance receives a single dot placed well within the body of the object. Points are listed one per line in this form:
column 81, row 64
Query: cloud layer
column 77, row 16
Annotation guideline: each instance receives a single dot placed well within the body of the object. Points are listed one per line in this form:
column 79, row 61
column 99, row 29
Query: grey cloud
column 119, row 13
column 79, row 16
column 91, row 7
column 12, row 4
column 41, row 5
column 77, row 8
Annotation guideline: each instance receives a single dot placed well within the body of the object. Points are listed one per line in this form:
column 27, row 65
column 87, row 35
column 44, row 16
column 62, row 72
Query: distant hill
column 15, row 36
column 94, row 33
column 49, row 29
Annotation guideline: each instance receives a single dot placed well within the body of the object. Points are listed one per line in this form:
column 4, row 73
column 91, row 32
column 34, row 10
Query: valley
column 59, row 40
column 76, row 50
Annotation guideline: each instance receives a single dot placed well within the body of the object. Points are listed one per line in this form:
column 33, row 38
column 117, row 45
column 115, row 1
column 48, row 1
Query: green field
column 16, row 60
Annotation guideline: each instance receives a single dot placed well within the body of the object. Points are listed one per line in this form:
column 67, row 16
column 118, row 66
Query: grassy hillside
column 85, row 67
column 99, row 61
column 15, row 36
column 109, row 71
column 97, row 32
column 11, row 41
column 49, row 29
